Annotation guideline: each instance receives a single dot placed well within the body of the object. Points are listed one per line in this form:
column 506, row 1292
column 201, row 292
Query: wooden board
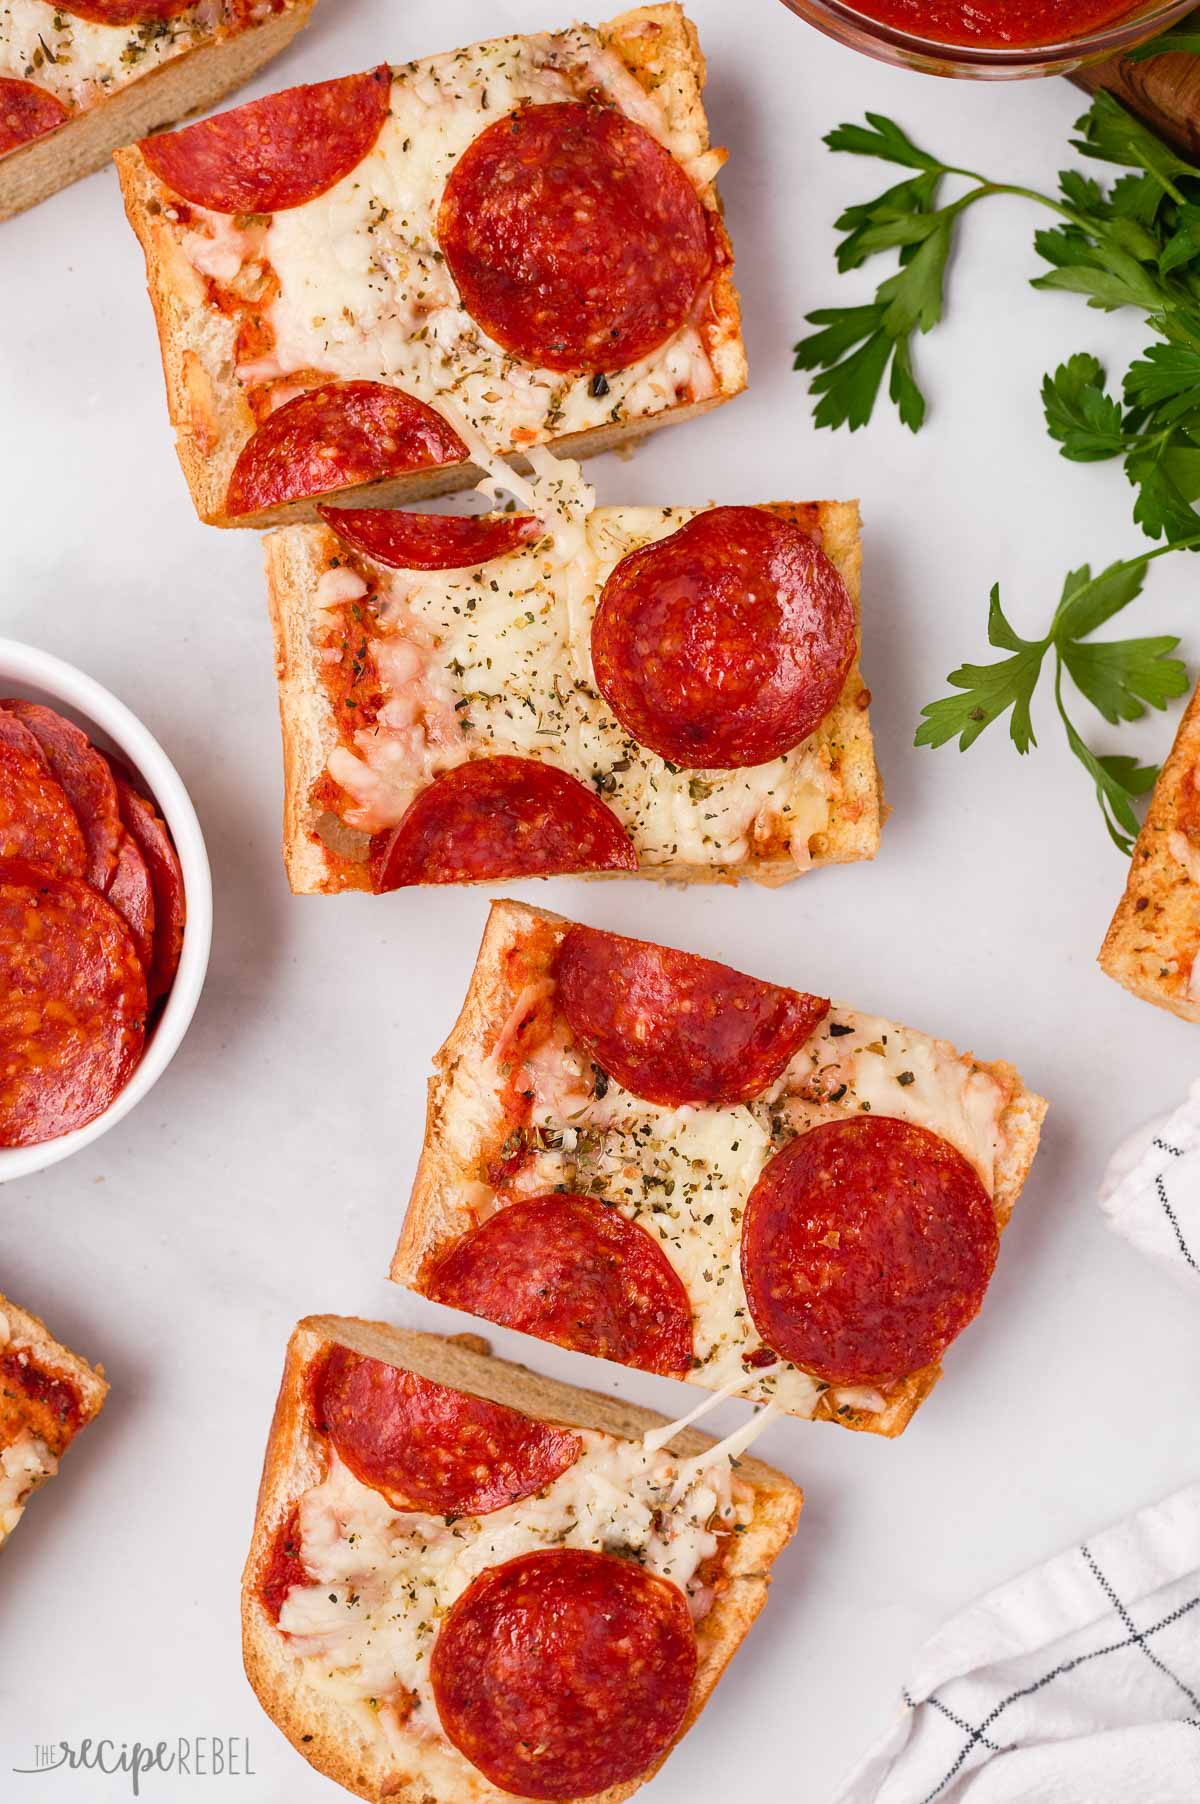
column 1165, row 92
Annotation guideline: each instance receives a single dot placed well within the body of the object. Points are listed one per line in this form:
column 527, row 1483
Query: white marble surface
column 266, row 1175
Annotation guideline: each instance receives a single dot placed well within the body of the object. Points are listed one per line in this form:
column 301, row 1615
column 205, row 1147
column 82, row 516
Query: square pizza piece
column 467, row 1582
column 80, row 78
column 1153, row 944
column 650, row 1157
column 380, row 285
column 47, row 1395
column 670, row 692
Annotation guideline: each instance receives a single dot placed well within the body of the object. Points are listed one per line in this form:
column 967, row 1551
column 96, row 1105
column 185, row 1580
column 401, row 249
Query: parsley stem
column 1147, row 557
column 1043, row 200
column 984, row 187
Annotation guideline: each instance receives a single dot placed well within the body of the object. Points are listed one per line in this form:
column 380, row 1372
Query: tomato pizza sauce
column 995, row 24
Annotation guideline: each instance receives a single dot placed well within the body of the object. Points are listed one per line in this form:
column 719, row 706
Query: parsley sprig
column 1119, row 677
column 1133, row 244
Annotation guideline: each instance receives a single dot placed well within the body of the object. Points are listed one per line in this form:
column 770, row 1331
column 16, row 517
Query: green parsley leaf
column 1080, row 413
column 1134, row 243
column 1182, row 36
column 1088, row 601
column 910, row 402
column 901, row 215
column 880, row 137
column 1115, row 136
column 914, row 294
column 1120, row 678
column 848, row 390
column 1162, row 509
column 991, row 690
column 1167, row 380
column 843, row 327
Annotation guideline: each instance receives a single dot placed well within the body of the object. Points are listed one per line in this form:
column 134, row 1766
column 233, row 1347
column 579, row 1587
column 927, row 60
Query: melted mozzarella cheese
column 24, row 1463
column 685, row 1175
column 862, row 1064
column 383, row 1579
column 364, row 289
column 501, row 663
column 81, row 62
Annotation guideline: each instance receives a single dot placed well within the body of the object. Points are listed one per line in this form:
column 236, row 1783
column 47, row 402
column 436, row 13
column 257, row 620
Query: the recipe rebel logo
column 190, row 1757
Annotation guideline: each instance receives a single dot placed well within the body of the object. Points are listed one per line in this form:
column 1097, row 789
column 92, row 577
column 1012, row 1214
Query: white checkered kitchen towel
column 1151, row 1191
column 1077, row 1683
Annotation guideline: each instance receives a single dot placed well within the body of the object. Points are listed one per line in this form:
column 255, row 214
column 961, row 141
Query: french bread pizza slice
column 80, row 78
column 1153, row 943
column 670, row 692
column 372, row 286
column 47, row 1394
column 467, row 1582
column 655, row 1159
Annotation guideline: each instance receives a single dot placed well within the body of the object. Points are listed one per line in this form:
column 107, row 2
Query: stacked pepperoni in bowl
column 94, row 908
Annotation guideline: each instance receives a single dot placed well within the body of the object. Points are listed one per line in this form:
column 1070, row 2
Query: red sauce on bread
column 33, row 1398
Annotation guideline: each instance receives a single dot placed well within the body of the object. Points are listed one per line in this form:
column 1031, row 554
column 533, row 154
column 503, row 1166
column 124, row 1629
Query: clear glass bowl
column 890, row 45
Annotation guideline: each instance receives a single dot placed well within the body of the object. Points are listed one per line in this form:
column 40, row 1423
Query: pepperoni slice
column 427, row 1447
column 152, row 839
column 725, row 644
column 72, row 1005
column 26, row 111
column 334, row 436
column 674, row 1028
column 86, row 781
column 563, row 1672
column 576, row 241
column 573, row 1271
column 500, row 817
column 867, row 1246
column 430, row 541
column 37, row 822
column 284, row 1565
column 275, row 153
column 125, row 12
column 132, row 895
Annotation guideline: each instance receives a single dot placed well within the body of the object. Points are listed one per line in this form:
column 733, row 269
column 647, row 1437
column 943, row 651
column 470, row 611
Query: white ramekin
column 39, row 676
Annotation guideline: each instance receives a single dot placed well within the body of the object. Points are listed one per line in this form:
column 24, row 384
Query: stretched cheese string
column 563, row 502
column 556, row 491
column 689, row 1470
column 657, row 1438
column 729, row 1448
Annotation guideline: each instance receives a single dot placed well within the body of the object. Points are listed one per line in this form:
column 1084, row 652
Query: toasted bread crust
column 438, row 1212
column 1154, row 938
column 26, row 1330
column 187, row 84
column 297, row 557
column 19, row 1329
column 329, row 1737
column 207, row 405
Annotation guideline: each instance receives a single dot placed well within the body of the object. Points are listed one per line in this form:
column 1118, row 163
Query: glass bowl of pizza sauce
column 996, row 40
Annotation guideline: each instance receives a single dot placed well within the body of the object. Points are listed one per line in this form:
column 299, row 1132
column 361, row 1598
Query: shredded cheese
column 685, row 1175
column 364, row 292
column 498, row 660
column 82, row 62
column 382, row 1579
column 24, row 1463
